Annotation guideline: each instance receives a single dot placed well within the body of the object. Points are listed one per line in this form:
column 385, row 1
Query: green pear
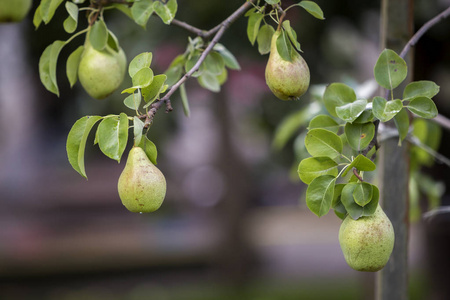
column 142, row 186
column 288, row 80
column 14, row 10
column 101, row 72
column 367, row 242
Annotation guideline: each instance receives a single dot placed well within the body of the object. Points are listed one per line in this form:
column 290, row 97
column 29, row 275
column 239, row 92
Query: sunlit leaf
column 76, row 142
column 390, row 69
column 319, row 194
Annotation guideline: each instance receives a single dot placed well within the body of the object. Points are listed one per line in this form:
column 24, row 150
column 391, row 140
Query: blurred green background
column 234, row 224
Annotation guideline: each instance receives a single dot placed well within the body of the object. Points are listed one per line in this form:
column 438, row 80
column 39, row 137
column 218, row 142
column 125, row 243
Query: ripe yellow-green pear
column 367, row 242
column 142, row 186
column 101, row 72
column 288, row 80
column 14, row 10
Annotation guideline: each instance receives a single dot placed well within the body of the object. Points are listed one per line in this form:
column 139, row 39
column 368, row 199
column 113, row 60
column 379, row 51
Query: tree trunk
column 392, row 281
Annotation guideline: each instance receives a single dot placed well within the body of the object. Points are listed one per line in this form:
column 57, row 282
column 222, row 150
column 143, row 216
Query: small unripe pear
column 367, row 242
column 142, row 186
column 288, row 80
column 101, row 72
column 14, row 10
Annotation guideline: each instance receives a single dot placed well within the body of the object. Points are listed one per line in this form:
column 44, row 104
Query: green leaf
column 390, row 69
column 98, row 35
column 48, row 8
column 429, row 135
column 143, row 78
column 149, row 148
column 229, row 59
column 133, row 101
column 166, row 11
column 337, row 94
column 319, row 194
column 124, row 8
column 402, row 123
column 139, row 62
column 113, row 42
column 191, row 62
column 112, row 135
column 130, row 90
column 423, row 88
column 361, row 163
column 272, row 2
column 214, row 63
column 209, row 81
column 175, row 69
column 321, row 142
column 254, row 21
column 359, row 135
column 141, row 11
column 385, row 110
column 336, row 204
column 354, row 210
column 264, row 38
column 138, row 127
column 151, row 92
column 423, row 107
column 37, row 18
column 185, row 101
column 76, row 142
column 313, row 167
column 313, row 9
column 362, row 194
column 291, row 124
column 44, row 70
column 291, row 34
column 365, row 117
column 284, row 47
column 70, row 24
column 72, row 65
column 349, row 112
column 325, row 122
column 369, row 209
column 47, row 66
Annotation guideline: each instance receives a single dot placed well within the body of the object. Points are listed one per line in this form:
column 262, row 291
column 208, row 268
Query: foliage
column 343, row 144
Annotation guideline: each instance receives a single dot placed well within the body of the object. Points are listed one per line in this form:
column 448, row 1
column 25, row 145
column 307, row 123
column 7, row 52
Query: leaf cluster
column 343, row 142
column 111, row 136
column 258, row 30
column 98, row 35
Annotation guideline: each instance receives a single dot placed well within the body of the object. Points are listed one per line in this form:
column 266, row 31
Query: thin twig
column 188, row 27
column 222, row 28
column 355, row 172
column 425, row 27
column 207, row 34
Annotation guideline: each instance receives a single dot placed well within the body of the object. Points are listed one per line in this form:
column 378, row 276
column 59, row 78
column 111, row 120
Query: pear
column 367, row 242
column 14, row 10
column 142, row 186
column 288, row 80
column 101, row 72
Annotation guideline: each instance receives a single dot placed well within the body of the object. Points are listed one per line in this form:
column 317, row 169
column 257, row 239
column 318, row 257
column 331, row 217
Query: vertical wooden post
column 392, row 281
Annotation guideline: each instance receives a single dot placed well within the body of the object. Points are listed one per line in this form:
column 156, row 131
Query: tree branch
column 440, row 119
column 221, row 30
column 425, row 27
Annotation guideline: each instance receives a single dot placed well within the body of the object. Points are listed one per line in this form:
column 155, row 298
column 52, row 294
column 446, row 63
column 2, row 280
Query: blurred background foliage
column 234, row 224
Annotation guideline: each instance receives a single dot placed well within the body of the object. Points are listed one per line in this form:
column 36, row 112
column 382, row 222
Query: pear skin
column 141, row 186
column 101, row 72
column 287, row 80
column 14, row 10
column 367, row 242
